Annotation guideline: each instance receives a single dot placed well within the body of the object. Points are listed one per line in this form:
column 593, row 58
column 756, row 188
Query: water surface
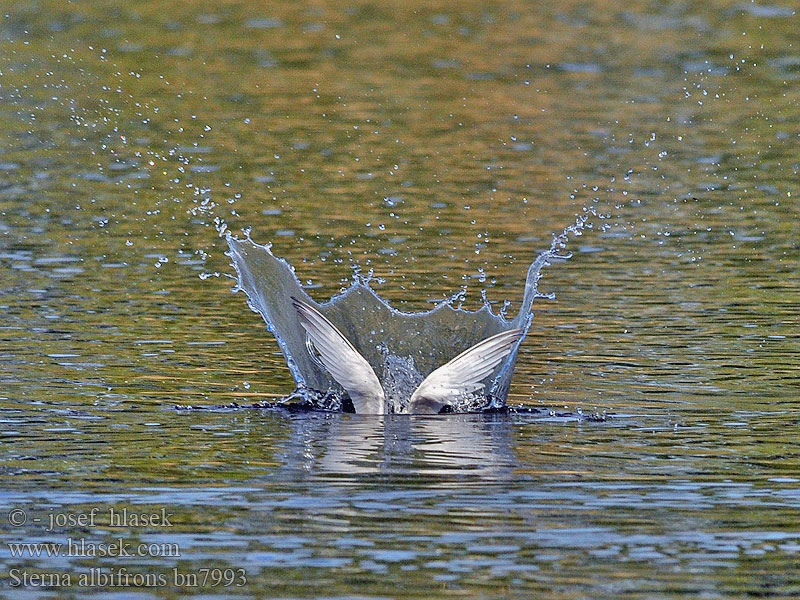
column 441, row 147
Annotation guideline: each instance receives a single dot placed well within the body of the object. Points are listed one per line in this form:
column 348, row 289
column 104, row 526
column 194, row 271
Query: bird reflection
column 346, row 444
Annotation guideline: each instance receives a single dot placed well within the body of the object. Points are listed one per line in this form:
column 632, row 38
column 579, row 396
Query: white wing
column 343, row 362
column 463, row 374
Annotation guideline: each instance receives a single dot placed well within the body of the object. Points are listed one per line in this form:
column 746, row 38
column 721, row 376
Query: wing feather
column 342, row 360
column 464, row 374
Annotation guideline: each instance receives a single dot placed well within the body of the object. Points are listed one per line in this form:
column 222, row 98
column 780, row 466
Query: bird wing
column 342, row 360
column 463, row 374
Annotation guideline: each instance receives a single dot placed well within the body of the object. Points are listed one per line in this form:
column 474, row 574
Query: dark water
column 440, row 146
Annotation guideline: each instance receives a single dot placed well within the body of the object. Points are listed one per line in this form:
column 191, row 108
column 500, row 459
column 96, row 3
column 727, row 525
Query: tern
column 462, row 375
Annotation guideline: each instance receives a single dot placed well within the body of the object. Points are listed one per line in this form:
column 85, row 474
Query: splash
column 401, row 347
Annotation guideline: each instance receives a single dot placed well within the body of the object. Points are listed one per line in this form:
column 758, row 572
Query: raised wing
column 342, row 360
column 464, row 374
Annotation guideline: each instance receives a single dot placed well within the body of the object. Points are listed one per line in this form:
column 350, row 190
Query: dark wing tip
column 299, row 305
column 304, row 310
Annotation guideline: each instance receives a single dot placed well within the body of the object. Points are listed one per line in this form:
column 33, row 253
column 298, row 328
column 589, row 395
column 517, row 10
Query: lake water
column 440, row 146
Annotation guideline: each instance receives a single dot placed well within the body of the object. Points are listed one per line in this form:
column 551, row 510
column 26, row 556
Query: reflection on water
column 441, row 146
column 303, row 502
column 349, row 446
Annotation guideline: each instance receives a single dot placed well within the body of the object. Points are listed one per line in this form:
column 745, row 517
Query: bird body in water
column 462, row 375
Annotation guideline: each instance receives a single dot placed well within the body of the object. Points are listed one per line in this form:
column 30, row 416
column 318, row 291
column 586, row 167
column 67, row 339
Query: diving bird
column 462, row 375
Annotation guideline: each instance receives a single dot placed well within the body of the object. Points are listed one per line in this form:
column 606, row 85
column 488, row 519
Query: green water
column 441, row 146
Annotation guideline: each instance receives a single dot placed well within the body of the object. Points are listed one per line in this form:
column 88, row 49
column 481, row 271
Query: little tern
column 462, row 375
